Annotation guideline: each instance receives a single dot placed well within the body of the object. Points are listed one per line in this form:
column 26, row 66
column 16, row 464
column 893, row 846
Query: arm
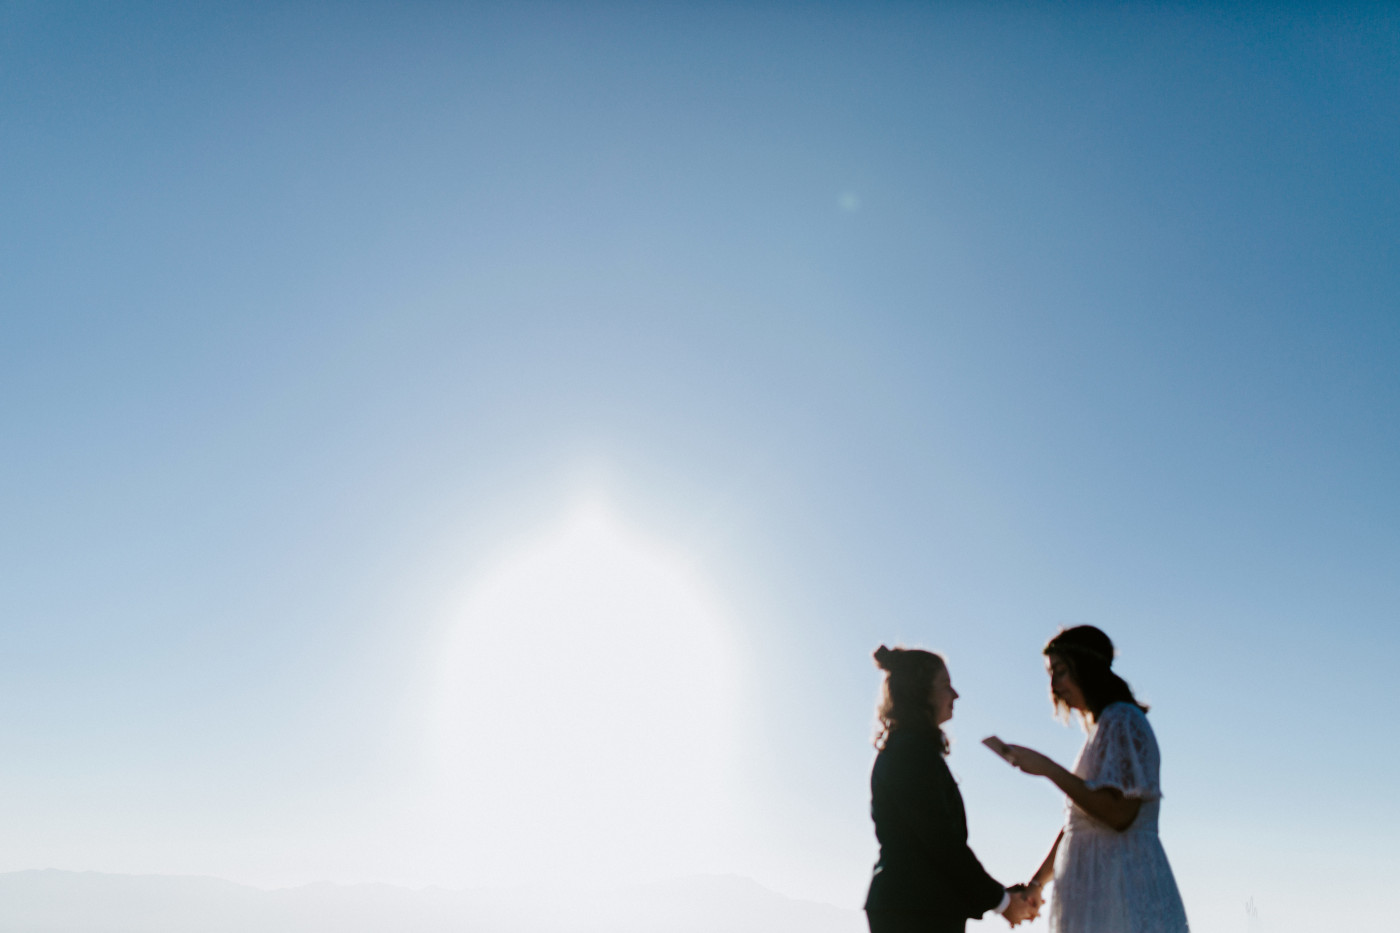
column 931, row 808
column 1033, row 891
column 1106, row 804
column 1046, row 872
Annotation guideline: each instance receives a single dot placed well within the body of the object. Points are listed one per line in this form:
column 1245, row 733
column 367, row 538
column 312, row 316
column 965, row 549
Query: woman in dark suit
column 927, row 879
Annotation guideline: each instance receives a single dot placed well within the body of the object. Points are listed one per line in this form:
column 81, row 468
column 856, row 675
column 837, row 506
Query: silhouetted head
column 1080, row 662
column 917, row 693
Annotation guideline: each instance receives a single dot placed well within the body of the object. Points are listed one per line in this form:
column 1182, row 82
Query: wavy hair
column 1088, row 654
column 905, row 696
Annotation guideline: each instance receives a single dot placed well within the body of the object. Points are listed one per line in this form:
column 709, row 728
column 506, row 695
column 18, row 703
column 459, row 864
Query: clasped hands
column 1026, row 901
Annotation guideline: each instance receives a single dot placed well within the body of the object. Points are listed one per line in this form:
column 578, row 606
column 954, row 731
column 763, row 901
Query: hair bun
column 883, row 657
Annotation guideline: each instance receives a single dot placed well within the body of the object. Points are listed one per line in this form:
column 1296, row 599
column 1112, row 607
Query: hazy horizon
column 68, row 902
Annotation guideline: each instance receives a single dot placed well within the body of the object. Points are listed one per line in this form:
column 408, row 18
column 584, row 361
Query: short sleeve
column 1125, row 754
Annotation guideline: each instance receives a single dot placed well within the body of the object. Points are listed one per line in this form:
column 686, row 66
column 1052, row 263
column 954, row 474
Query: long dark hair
column 1088, row 654
column 905, row 696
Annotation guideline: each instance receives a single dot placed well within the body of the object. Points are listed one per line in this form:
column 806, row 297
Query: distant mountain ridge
column 54, row 901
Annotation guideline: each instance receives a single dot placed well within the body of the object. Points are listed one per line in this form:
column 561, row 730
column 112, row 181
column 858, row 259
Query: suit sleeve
column 935, row 815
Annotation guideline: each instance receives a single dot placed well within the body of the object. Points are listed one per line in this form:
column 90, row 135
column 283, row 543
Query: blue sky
column 949, row 326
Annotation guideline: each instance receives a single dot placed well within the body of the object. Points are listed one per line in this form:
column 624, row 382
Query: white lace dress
column 1107, row 881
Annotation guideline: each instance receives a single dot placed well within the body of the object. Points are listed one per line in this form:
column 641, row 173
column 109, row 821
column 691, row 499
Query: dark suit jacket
column 925, row 864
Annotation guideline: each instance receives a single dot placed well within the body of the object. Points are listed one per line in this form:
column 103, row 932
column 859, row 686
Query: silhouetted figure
column 927, row 879
column 1111, row 874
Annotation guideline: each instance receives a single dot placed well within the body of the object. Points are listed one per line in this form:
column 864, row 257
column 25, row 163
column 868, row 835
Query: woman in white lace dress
column 1110, row 872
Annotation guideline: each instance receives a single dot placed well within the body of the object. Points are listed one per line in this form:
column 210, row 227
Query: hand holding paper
column 1000, row 747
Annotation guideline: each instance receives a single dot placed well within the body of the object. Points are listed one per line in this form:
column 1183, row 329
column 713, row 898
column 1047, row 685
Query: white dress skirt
column 1107, row 881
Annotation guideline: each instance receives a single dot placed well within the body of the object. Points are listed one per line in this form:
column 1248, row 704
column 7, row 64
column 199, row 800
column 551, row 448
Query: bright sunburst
column 586, row 709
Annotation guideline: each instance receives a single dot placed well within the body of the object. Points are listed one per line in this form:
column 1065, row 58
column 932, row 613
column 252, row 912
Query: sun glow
column 586, row 711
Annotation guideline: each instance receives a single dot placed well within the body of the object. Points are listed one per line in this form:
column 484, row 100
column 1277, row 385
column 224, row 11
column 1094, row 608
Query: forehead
column 1056, row 663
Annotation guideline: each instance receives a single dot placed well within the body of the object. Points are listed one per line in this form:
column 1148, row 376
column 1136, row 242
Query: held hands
column 1035, row 896
column 1025, row 903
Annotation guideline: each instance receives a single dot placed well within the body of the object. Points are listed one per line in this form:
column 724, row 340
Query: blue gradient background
column 948, row 325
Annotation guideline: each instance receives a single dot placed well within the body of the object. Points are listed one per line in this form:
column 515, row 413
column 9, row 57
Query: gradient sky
column 937, row 324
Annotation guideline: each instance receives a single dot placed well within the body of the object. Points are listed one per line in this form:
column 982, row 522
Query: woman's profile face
column 1062, row 685
column 942, row 695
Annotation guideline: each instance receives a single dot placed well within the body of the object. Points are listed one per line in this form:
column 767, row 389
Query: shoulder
column 912, row 740
column 913, row 747
column 1123, row 714
column 1125, row 724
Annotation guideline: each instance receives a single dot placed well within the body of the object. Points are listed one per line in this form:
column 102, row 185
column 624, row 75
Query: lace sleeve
column 1125, row 754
